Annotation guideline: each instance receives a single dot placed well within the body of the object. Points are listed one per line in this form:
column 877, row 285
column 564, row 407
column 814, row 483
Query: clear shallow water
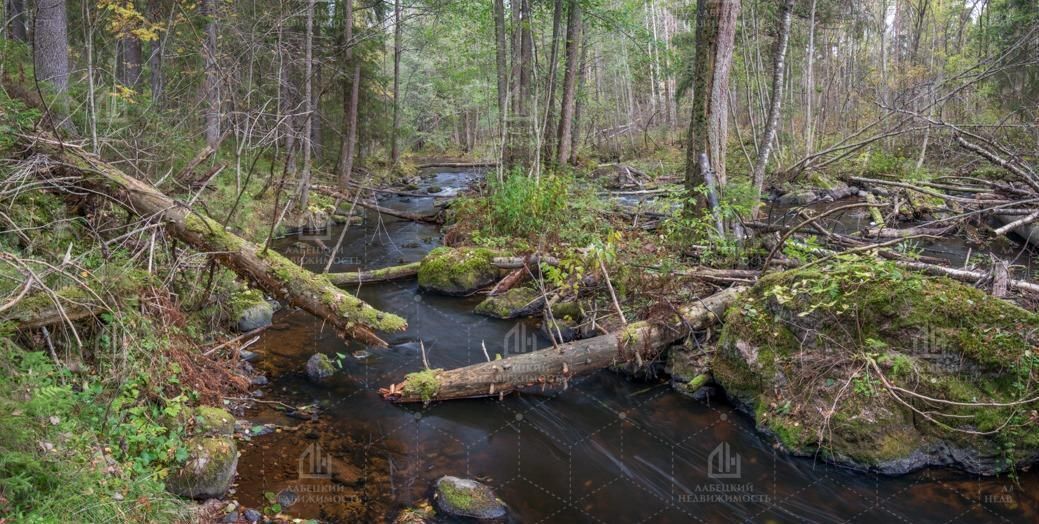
column 609, row 449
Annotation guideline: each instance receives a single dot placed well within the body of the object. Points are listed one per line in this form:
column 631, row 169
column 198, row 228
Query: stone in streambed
column 457, row 271
column 459, row 497
column 514, row 303
column 319, row 367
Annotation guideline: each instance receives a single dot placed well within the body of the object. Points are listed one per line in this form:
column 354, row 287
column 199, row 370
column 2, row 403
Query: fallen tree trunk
column 385, row 274
column 518, row 262
column 275, row 274
column 640, row 341
column 414, row 217
column 458, row 165
column 964, row 275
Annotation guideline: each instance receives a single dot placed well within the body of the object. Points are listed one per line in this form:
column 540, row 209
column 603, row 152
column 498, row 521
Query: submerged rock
column 209, row 469
column 319, row 367
column 828, row 359
column 457, row 271
column 514, row 303
column 467, row 498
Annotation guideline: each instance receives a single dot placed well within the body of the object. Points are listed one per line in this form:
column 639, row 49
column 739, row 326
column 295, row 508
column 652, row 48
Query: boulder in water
column 319, row 367
column 457, row 271
column 878, row 368
column 459, row 497
column 514, row 303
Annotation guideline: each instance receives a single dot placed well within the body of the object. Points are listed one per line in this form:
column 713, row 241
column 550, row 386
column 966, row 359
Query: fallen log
column 414, row 217
column 385, row 274
column 965, row 275
column 518, row 262
column 639, row 342
column 458, row 165
column 275, row 274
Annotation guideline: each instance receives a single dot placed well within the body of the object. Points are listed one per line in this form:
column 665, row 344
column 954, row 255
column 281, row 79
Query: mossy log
column 639, row 341
column 385, row 274
column 275, row 274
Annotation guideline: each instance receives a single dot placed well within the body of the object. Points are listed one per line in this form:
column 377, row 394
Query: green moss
column 513, row 303
column 457, row 271
column 459, row 498
column 801, row 336
column 244, row 300
column 423, row 384
column 567, row 311
column 213, row 421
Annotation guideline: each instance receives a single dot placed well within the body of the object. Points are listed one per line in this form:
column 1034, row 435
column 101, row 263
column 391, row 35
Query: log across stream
column 607, row 449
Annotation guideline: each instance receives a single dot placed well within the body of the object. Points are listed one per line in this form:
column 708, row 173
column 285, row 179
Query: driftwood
column 275, row 274
column 414, row 217
column 639, row 342
column 385, row 274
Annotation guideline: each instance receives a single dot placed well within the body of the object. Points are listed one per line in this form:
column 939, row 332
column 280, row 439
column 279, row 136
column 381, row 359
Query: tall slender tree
column 350, row 97
column 708, row 126
column 564, row 137
column 397, row 43
column 16, row 20
column 211, row 83
column 778, row 68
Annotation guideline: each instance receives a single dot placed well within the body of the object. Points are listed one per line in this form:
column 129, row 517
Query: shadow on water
column 609, row 449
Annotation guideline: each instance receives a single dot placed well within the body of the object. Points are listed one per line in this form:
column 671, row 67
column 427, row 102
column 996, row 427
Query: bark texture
column 639, row 342
column 51, row 44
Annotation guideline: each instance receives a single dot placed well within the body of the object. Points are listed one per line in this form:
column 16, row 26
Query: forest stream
column 607, row 449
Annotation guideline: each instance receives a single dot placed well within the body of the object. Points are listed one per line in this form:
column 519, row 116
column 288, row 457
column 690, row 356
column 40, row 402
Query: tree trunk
column 582, row 73
column 385, row 274
column 564, row 138
column 778, row 65
column 275, row 274
column 809, row 82
column 155, row 56
column 350, row 96
column 16, row 16
column 394, row 136
column 308, row 118
column 503, row 66
column 708, row 127
column 639, row 342
column 130, row 61
column 51, row 44
column 546, row 126
column 211, row 84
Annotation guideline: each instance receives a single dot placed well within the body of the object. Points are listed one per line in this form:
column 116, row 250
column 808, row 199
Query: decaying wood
column 275, row 274
column 458, row 165
column 556, row 366
column 518, row 262
column 513, row 279
column 965, row 275
column 385, row 274
column 414, row 217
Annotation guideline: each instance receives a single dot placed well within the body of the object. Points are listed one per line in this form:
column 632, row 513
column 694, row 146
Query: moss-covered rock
column 251, row 311
column 208, row 470
column 458, row 497
column 828, row 359
column 319, row 367
column 457, row 271
column 514, row 303
column 213, row 421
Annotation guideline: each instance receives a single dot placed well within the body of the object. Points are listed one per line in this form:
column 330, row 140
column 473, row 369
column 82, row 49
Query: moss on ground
column 513, row 303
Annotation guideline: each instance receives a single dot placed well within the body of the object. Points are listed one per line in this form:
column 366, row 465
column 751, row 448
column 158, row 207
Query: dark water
column 609, row 449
